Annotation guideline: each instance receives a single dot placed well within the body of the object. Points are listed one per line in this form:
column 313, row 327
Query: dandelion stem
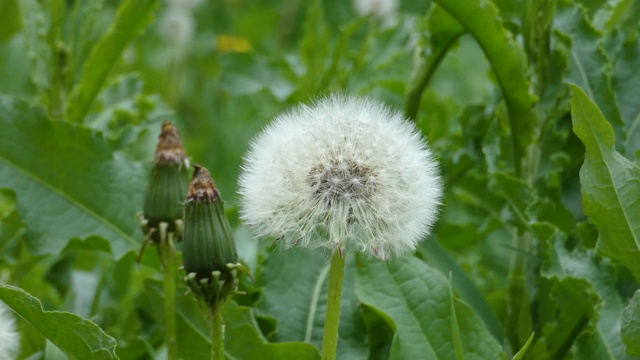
column 168, row 258
column 217, row 332
column 332, row 317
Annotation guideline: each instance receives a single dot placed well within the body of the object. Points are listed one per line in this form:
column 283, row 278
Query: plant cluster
column 531, row 112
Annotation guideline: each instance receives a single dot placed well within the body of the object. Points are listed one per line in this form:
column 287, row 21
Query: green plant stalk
column 517, row 295
column 217, row 332
column 332, row 317
column 168, row 257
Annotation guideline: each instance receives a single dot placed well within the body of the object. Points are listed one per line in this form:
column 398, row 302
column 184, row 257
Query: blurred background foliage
column 221, row 70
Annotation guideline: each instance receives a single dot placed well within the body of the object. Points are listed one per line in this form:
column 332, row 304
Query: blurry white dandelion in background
column 384, row 10
column 345, row 172
column 9, row 335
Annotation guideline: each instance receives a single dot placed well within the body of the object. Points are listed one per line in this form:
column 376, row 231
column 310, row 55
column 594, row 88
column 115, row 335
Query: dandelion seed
column 344, row 173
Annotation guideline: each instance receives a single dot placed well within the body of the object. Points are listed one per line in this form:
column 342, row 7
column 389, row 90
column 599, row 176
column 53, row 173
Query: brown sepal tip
column 170, row 149
column 202, row 186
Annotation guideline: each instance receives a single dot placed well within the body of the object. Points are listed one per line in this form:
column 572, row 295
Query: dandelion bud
column 345, row 173
column 209, row 251
column 168, row 184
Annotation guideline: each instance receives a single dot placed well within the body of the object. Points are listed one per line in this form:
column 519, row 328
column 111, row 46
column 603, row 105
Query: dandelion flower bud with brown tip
column 343, row 173
column 167, row 186
column 209, row 250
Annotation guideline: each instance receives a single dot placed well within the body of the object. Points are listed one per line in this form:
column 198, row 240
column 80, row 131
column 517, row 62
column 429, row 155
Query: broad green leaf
column 631, row 325
column 415, row 300
column 588, row 284
column 295, row 286
column 610, row 185
column 77, row 337
column 439, row 259
column 69, row 182
column 12, row 20
column 626, row 84
column 482, row 20
column 442, row 33
column 589, row 66
column 243, row 339
column 132, row 17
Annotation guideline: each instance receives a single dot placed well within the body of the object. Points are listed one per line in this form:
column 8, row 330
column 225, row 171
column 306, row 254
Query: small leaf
column 132, row 17
column 415, row 300
column 77, row 337
column 65, row 191
column 520, row 354
column 610, row 185
column 589, row 66
column 631, row 325
column 626, row 84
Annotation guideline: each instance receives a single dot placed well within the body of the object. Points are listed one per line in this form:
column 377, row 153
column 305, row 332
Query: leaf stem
column 332, row 317
column 217, row 332
column 168, row 257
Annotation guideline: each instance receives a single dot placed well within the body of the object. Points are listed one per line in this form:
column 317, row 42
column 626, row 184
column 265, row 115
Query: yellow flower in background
column 229, row 43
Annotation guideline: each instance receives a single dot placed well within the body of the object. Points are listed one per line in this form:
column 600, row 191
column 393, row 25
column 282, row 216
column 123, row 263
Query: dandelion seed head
column 342, row 173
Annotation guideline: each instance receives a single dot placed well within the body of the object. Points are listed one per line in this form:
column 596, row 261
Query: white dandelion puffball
column 346, row 172
column 9, row 335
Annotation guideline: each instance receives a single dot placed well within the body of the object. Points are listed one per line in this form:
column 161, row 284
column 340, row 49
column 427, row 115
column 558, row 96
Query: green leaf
column 626, row 84
column 132, row 17
column 482, row 20
column 243, row 339
column 631, row 325
column 589, row 66
column 415, row 300
column 610, row 185
column 439, row 259
column 12, row 20
column 69, row 182
column 295, row 286
column 588, row 285
column 77, row 337
column 520, row 354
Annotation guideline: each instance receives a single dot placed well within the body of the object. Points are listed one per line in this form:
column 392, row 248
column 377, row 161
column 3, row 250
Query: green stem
column 217, row 332
column 332, row 317
column 518, row 322
column 168, row 258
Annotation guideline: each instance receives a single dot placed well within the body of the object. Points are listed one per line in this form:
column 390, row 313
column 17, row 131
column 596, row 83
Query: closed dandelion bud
column 209, row 250
column 168, row 184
